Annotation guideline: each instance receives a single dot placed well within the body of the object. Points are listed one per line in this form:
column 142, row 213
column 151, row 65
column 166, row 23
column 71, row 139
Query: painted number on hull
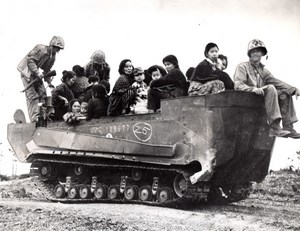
column 142, row 131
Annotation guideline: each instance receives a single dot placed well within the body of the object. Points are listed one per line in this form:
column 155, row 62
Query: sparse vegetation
column 4, row 178
column 283, row 183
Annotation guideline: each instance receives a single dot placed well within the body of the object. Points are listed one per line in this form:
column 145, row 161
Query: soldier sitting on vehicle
column 252, row 76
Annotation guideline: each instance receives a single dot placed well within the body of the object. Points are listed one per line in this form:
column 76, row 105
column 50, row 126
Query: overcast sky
column 145, row 32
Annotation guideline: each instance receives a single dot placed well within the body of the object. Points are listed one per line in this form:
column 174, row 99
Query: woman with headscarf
column 122, row 95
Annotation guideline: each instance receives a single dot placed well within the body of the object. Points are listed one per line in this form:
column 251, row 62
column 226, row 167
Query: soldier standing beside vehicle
column 40, row 57
column 253, row 77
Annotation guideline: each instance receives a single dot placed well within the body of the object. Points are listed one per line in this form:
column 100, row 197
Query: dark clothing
column 97, row 108
column 175, row 77
column 155, row 95
column 106, row 84
column 204, row 72
column 88, row 94
column 79, row 87
column 172, row 85
column 58, row 104
column 122, row 96
column 225, row 78
column 102, row 71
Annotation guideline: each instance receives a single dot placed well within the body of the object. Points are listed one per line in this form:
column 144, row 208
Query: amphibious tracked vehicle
column 197, row 148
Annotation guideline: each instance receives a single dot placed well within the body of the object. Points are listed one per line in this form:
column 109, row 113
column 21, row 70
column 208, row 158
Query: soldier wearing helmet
column 252, row 76
column 98, row 66
column 36, row 64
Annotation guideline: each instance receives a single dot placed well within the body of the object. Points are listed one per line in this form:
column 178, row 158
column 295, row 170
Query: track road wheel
column 179, row 185
column 113, row 192
column 45, row 172
column 78, row 170
column 85, row 192
column 145, row 193
column 59, row 191
column 73, row 192
column 164, row 194
column 100, row 191
column 131, row 192
column 136, row 175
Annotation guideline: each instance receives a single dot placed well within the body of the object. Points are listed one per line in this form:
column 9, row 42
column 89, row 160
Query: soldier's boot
column 293, row 133
column 276, row 130
column 285, row 102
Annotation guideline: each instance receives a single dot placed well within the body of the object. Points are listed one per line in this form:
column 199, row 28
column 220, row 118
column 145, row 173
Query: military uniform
column 41, row 56
column 277, row 94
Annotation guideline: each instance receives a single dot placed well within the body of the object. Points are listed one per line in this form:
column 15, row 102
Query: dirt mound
column 273, row 205
column 21, row 188
column 283, row 184
column 280, row 185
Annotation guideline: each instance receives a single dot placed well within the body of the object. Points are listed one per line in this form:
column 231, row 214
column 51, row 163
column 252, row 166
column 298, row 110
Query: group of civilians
column 84, row 91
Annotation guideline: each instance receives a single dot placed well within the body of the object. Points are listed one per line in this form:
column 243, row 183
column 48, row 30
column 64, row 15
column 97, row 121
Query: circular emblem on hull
column 142, row 131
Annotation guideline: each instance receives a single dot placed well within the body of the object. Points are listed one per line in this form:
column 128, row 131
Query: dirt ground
column 273, row 205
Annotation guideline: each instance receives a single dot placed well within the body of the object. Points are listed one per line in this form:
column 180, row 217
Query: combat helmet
column 256, row 43
column 98, row 57
column 57, row 42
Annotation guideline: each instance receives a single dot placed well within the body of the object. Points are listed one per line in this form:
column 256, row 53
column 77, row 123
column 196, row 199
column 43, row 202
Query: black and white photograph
column 151, row 115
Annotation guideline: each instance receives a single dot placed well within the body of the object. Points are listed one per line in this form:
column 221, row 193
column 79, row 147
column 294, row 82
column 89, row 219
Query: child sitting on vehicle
column 222, row 62
column 97, row 106
column 156, row 72
column 140, row 89
column 83, row 110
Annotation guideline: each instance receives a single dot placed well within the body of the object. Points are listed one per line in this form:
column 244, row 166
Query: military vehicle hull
column 198, row 147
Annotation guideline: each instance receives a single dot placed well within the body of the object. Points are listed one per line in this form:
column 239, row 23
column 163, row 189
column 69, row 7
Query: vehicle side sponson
column 226, row 133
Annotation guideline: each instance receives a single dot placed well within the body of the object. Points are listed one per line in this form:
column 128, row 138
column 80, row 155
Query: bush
column 4, row 178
